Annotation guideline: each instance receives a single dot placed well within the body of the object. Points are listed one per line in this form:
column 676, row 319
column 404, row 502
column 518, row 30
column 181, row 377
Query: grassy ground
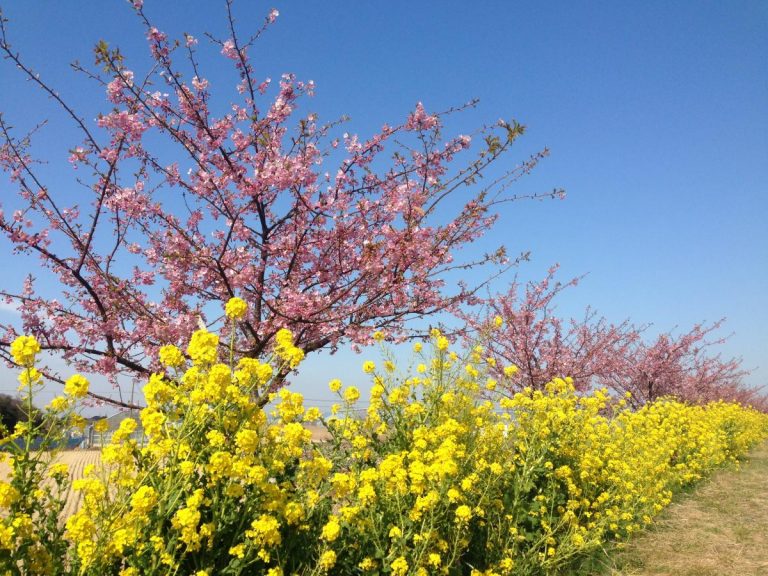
column 720, row 529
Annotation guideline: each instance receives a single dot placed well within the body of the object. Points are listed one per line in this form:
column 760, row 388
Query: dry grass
column 721, row 529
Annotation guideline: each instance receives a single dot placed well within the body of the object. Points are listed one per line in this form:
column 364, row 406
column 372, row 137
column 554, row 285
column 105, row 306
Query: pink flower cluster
column 191, row 204
column 523, row 329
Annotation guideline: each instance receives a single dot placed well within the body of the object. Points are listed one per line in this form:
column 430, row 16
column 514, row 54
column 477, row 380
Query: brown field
column 77, row 460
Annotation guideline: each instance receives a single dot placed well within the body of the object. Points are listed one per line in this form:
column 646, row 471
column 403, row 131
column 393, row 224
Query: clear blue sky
column 656, row 115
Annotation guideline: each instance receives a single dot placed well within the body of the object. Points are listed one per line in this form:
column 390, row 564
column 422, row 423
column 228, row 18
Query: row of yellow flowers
column 443, row 475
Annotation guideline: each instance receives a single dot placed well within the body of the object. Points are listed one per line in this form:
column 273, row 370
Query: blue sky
column 656, row 115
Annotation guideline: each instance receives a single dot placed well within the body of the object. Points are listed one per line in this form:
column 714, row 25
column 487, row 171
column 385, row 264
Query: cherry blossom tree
column 175, row 206
column 680, row 366
column 521, row 328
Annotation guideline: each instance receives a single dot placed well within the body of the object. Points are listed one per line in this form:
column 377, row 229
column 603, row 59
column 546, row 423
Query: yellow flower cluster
column 33, row 497
column 24, row 350
column 203, row 347
column 76, row 386
column 440, row 474
column 285, row 350
column 236, row 308
column 171, row 356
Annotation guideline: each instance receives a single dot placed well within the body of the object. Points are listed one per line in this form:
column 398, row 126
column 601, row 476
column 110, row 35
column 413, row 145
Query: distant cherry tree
column 176, row 205
column 521, row 327
column 681, row 366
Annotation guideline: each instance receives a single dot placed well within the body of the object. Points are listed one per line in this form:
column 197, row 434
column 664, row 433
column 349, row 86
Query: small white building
column 95, row 439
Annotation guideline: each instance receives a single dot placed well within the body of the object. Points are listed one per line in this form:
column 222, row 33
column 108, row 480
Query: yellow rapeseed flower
column 236, row 308
column 24, row 349
column 76, row 386
column 285, row 348
column 369, row 367
column 144, row 499
column 8, row 495
column 511, row 370
column 399, row 566
column 331, row 530
column 351, row 394
column 237, row 551
column 59, row 469
column 327, row 560
column 203, row 347
column 171, row 356
column 29, row 377
column 58, row 404
column 463, row 514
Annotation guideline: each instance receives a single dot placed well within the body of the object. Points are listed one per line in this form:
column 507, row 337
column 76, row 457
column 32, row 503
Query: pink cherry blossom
column 524, row 330
column 195, row 202
column 228, row 49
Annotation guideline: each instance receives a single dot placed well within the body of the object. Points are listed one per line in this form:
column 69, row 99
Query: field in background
column 77, row 460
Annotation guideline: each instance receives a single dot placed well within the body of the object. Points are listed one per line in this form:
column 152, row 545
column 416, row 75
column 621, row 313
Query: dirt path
column 721, row 529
